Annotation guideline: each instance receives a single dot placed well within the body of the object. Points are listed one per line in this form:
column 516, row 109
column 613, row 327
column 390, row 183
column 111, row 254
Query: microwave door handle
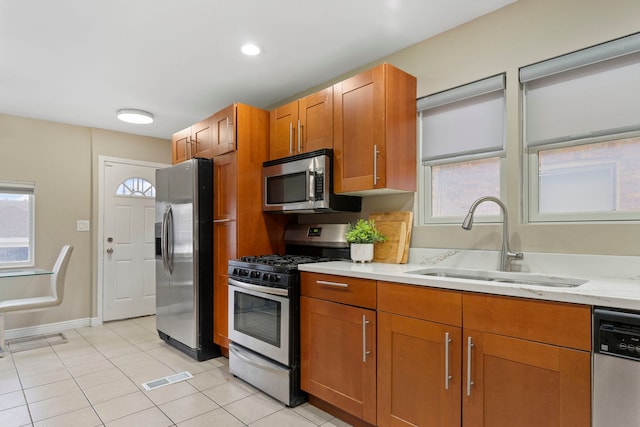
column 312, row 186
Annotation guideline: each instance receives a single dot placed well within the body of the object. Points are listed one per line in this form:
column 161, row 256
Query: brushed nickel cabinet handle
column 469, row 382
column 375, row 165
column 447, row 377
column 336, row 284
column 364, row 338
column 290, row 137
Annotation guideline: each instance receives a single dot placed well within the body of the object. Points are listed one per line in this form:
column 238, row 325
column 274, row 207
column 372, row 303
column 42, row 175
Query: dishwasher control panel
column 616, row 333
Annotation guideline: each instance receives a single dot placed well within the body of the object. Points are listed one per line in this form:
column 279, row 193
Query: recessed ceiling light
column 131, row 115
column 250, row 49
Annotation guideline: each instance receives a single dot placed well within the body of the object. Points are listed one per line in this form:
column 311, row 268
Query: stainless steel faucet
column 505, row 254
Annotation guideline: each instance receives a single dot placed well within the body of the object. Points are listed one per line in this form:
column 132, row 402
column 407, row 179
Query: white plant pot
column 361, row 252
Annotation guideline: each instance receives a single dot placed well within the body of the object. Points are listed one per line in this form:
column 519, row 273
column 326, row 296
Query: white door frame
column 102, row 160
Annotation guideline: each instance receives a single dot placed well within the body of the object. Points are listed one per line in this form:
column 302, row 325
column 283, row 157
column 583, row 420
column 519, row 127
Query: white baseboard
column 50, row 328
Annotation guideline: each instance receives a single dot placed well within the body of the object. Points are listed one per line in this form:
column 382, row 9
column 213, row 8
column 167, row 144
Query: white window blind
column 466, row 122
column 585, row 94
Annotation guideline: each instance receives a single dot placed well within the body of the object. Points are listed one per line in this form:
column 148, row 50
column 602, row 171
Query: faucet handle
column 515, row 255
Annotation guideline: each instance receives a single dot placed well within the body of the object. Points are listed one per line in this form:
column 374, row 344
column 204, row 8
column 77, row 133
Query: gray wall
column 62, row 160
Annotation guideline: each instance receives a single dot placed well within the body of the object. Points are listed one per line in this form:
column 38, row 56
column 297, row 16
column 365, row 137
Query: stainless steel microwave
column 304, row 184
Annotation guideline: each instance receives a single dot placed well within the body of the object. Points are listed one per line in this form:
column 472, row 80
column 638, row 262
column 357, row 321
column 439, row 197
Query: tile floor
column 95, row 379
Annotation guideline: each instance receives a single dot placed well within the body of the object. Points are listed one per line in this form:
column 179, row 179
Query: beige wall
column 525, row 32
column 62, row 161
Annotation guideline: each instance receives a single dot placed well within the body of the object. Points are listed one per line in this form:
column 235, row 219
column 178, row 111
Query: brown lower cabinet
column 526, row 362
column 514, row 382
column 338, row 343
column 450, row 358
column 419, row 356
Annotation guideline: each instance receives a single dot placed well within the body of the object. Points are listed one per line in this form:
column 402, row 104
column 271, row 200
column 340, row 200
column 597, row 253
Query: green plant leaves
column 364, row 231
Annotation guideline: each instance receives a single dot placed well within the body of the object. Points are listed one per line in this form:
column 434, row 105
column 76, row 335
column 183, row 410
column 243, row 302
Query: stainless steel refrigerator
column 184, row 257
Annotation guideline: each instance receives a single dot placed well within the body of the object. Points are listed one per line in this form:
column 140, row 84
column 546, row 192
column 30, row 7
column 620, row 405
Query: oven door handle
column 257, row 288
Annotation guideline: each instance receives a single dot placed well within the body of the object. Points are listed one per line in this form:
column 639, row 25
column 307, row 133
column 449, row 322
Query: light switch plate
column 82, row 225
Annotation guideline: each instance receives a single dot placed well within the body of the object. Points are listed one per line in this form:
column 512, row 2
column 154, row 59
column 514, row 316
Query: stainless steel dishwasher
column 616, row 368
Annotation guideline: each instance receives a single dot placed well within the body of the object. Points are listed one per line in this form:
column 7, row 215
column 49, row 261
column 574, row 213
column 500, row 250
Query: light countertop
column 616, row 293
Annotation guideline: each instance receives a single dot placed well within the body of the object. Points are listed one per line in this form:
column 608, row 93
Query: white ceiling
column 78, row 61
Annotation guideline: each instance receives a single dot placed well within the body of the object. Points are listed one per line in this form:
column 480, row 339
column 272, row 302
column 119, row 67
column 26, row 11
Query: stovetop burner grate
column 284, row 260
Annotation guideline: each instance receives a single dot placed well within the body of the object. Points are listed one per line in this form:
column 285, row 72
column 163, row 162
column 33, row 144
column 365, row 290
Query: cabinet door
column 224, row 130
column 201, row 139
column 224, row 239
column 225, row 172
column 283, row 141
column 181, row 149
column 224, row 249
column 515, row 382
column 316, row 121
column 359, row 132
column 338, row 352
column 419, row 372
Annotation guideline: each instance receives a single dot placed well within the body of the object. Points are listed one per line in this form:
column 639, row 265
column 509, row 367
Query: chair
column 42, row 302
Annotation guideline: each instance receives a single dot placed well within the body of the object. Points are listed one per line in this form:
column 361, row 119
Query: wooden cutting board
column 400, row 216
column 391, row 250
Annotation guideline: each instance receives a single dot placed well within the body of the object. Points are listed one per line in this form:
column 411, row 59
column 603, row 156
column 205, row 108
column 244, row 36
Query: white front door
column 128, row 240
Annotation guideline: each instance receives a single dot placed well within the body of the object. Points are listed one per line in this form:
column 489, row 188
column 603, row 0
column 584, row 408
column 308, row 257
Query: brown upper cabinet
column 374, row 137
column 223, row 124
column 302, row 126
column 194, row 141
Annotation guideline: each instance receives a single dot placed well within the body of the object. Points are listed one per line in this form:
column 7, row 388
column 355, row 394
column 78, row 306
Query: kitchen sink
column 501, row 277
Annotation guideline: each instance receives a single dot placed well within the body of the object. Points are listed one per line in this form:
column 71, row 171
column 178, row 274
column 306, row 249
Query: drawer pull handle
column 336, row 284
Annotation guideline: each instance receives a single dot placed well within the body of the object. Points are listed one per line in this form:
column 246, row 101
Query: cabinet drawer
column 563, row 324
column 420, row 302
column 345, row 290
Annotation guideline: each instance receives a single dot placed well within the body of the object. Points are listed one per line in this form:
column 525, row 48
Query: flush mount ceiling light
column 250, row 49
column 131, row 115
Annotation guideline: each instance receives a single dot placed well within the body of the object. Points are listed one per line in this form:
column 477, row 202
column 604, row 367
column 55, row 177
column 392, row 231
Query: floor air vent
column 171, row 379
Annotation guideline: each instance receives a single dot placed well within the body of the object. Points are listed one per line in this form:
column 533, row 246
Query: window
column 136, row 187
column 582, row 134
column 16, row 224
column 462, row 145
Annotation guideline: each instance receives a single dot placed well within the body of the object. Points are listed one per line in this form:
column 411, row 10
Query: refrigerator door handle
column 170, row 242
column 167, row 218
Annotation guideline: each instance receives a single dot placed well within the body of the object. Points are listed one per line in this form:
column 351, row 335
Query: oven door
column 259, row 319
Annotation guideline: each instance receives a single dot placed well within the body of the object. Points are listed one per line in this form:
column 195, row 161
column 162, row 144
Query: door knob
column 110, row 251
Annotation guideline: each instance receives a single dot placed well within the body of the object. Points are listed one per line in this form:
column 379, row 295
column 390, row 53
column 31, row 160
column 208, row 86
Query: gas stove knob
column 244, row 272
column 274, row 278
column 255, row 275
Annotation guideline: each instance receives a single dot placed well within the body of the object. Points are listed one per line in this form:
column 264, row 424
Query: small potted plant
column 362, row 236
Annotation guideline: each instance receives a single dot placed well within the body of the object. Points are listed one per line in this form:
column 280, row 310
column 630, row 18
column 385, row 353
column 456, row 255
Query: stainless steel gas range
column 264, row 309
